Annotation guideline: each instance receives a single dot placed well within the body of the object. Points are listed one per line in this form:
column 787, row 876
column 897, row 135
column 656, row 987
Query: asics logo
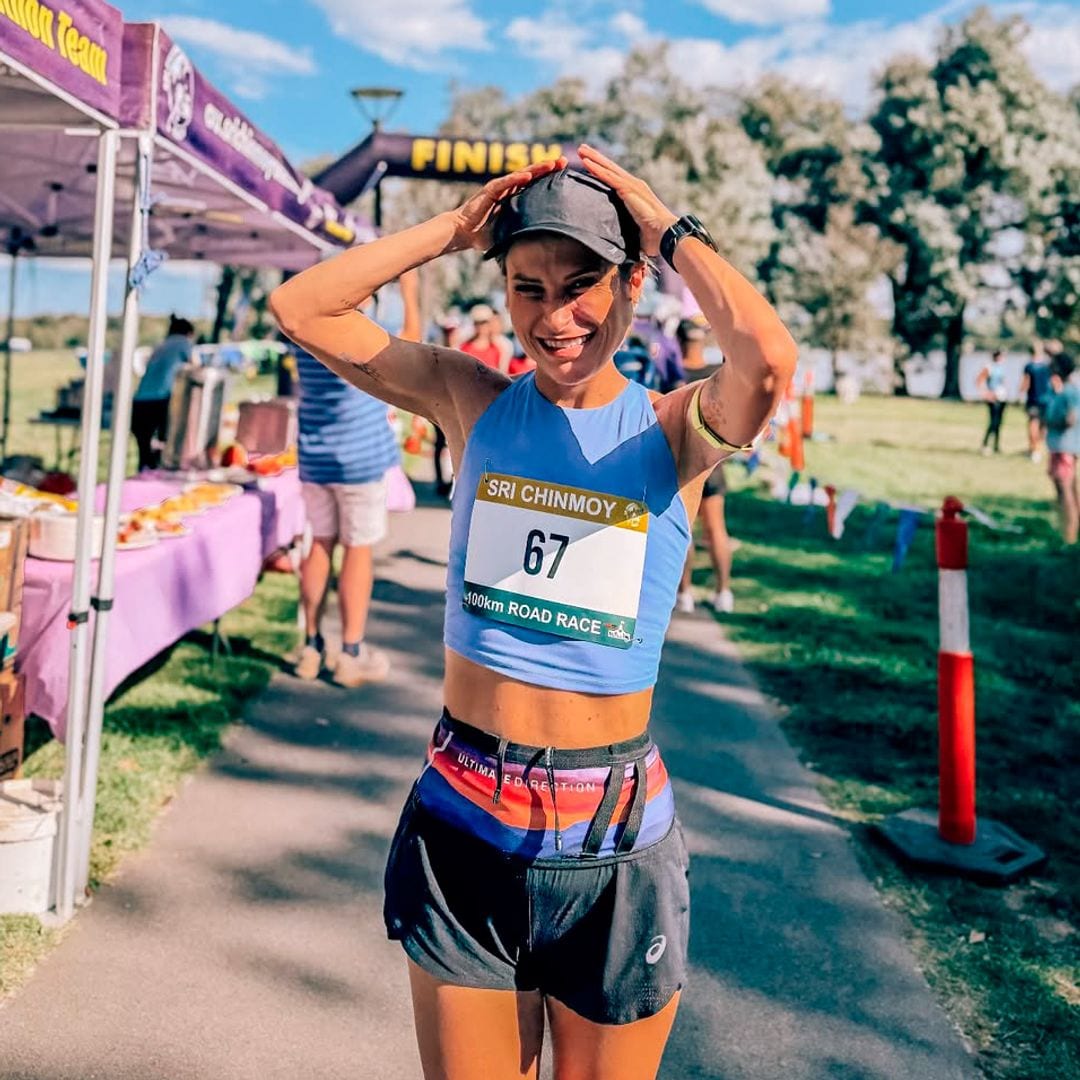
column 656, row 949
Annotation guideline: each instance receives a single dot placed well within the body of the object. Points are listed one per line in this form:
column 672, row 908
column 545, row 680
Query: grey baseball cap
column 570, row 203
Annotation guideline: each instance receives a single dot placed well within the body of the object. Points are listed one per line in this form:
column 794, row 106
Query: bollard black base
column 997, row 856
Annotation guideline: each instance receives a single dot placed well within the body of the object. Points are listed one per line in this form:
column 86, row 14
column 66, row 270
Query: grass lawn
column 34, row 381
column 162, row 726
column 849, row 650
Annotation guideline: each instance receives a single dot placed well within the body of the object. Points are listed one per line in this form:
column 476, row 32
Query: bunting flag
column 844, row 505
column 906, row 528
column 808, row 513
column 881, row 511
column 792, row 483
column 752, row 461
column 985, row 519
column 830, row 509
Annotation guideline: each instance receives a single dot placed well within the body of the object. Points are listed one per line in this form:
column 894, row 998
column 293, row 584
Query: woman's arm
column 317, row 309
column 759, row 353
column 409, row 284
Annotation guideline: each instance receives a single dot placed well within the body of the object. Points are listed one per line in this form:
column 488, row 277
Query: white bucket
column 29, row 823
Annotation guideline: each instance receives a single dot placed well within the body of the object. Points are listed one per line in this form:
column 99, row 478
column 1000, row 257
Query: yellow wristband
column 706, row 432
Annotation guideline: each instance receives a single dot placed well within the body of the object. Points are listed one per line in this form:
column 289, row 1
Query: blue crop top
column 567, row 543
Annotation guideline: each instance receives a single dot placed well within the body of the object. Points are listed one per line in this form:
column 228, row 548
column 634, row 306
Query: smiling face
column 570, row 309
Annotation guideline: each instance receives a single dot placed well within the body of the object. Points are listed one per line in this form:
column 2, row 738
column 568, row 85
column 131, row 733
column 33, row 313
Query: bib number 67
column 535, row 553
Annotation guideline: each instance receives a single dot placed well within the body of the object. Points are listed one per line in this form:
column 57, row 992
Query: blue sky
column 289, row 64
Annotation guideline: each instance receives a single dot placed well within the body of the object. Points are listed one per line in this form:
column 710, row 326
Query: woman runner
column 538, row 873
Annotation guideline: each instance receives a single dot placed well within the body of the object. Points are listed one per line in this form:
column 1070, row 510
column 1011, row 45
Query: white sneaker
column 684, row 602
column 309, row 663
column 372, row 665
column 1036, row 456
column 723, row 600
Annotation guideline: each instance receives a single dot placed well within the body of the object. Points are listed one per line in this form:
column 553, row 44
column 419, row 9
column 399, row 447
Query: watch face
column 699, row 230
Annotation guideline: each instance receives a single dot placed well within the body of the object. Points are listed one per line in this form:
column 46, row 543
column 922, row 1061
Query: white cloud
column 767, row 12
column 563, row 42
column 236, row 44
column 631, row 27
column 415, row 33
column 843, row 60
column 250, row 59
column 1053, row 46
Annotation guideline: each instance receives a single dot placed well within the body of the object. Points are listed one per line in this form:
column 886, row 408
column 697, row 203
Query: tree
column 1049, row 269
column 953, row 174
column 823, row 263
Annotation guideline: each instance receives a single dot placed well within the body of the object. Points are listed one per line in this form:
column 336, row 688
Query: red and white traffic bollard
column 807, row 406
column 991, row 852
column 956, row 681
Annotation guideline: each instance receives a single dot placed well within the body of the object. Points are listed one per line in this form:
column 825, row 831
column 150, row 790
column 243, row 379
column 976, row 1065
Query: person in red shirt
column 488, row 344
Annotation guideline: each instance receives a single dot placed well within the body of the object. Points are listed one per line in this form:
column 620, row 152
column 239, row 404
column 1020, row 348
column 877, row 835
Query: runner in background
column 1063, row 442
column 488, row 343
column 991, row 380
column 1034, row 394
column 448, row 335
column 691, row 336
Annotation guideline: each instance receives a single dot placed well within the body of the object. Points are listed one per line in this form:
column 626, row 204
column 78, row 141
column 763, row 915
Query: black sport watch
column 687, row 225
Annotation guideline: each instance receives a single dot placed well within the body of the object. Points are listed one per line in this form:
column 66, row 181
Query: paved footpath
column 245, row 943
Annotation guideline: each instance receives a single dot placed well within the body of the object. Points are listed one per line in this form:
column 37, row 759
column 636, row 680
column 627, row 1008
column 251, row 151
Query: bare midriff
column 539, row 715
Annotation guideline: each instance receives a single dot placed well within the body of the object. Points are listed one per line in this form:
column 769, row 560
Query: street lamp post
column 377, row 103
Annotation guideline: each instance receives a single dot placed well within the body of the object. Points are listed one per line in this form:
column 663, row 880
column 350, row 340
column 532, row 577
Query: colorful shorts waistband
column 538, row 802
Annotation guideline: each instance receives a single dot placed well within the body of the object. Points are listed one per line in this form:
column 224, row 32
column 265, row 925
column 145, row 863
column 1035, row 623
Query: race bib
column 554, row 558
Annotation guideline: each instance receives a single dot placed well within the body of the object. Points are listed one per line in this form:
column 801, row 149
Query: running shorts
column 526, row 868
column 353, row 514
column 1062, row 466
column 715, row 484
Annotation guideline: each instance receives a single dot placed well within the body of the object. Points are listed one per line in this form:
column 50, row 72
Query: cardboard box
column 14, row 537
column 12, row 724
column 14, row 540
column 9, row 637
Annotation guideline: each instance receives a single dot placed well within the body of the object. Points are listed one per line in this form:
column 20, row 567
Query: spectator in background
column 1063, row 442
column 992, row 381
column 488, row 343
column 664, row 350
column 1034, row 392
column 346, row 446
column 150, row 405
column 691, row 336
column 447, row 333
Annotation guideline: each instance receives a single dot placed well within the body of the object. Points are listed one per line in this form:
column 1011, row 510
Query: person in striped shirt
column 345, row 447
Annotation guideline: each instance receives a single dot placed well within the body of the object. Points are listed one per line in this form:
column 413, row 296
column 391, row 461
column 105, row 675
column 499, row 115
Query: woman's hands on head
column 652, row 216
column 473, row 219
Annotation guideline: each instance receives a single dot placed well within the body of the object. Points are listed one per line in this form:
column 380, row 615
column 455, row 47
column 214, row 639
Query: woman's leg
column 587, row 1051
column 716, row 536
column 467, row 1034
column 1069, row 504
column 142, row 427
column 999, row 414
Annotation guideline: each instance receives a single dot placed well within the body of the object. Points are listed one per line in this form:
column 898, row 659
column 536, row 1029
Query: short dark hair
column 1063, row 366
column 997, row 354
column 180, row 325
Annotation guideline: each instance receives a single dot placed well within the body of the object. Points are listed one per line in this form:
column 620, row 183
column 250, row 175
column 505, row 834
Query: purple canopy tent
column 60, row 82
column 221, row 191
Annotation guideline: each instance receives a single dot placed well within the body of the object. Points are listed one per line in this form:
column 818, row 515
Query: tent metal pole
column 78, row 620
column 121, row 425
column 7, row 356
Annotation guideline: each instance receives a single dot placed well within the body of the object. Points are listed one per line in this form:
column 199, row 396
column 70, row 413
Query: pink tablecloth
column 162, row 592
